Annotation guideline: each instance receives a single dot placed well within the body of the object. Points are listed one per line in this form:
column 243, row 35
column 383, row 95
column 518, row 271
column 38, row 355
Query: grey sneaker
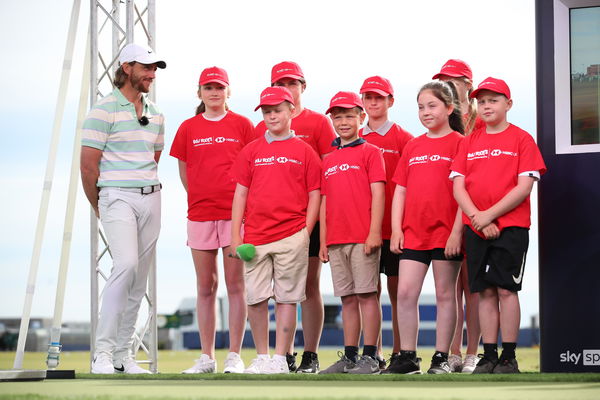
column 456, row 363
column 341, row 366
column 507, row 366
column 366, row 365
column 485, row 365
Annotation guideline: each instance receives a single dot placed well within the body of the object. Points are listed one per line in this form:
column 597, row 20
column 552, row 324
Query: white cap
column 140, row 53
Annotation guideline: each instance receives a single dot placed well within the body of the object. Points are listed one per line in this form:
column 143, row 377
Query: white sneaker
column 276, row 366
column 102, row 364
column 258, row 365
column 455, row 362
column 233, row 364
column 128, row 365
column 470, row 363
column 203, row 365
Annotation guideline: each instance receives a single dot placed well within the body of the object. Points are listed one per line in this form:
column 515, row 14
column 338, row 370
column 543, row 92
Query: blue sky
column 337, row 43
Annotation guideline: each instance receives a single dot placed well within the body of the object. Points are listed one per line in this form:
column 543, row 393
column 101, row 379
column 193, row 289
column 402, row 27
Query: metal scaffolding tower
column 113, row 24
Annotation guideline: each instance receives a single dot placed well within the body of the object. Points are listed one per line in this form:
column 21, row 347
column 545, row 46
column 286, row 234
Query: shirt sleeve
column 96, row 127
column 259, row 130
column 530, row 158
column 459, row 164
column 376, row 165
column 325, row 136
column 313, row 170
column 243, row 170
column 178, row 148
column 400, row 175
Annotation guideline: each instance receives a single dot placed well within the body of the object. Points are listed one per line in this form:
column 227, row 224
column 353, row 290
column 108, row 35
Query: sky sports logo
column 587, row 357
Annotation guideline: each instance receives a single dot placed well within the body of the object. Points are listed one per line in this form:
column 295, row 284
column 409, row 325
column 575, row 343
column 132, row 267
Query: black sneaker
column 403, row 365
column 381, row 361
column 291, row 361
column 439, row 365
column 506, row 366
column 485, row 365
column 309, row 364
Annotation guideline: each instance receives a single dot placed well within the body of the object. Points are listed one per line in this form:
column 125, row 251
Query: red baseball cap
column 378, row 85
column 274, row 95
column 494, row 85
column 214, row 74
column 455, row 68
column 286, row 69
column 345, row 100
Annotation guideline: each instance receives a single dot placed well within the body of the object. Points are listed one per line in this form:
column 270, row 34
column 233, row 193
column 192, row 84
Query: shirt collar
column 338, row 143
column 123, row 100
column 270, row 138
column 382, row 130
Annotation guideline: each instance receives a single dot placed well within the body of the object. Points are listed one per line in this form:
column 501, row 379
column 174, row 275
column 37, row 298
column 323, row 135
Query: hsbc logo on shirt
column 392, row 151
column 340, row 168
column 211, row 140
column 475, row 155
column 424, row 159
column 263, row 161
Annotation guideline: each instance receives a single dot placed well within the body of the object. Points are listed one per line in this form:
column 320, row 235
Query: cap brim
column 219, row 81
column 293, row 76
column 269, row 104
column 450, row 74
column 477, row 91
column 378, row 91
column 348, row 106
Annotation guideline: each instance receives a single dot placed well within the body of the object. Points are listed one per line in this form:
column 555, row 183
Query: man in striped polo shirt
column 123, row 136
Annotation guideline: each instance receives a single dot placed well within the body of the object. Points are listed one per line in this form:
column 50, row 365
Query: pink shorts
column 209, row 235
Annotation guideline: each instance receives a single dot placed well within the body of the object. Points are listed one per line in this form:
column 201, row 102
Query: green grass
column 173, row 362
column 170, row 384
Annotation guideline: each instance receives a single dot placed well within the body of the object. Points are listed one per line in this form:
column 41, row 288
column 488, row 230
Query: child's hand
column 372, row 243
column 480, row 219
column 491, row 231
column 324, row 253
column 453, row 245
column 397, row 242
column 235, row 242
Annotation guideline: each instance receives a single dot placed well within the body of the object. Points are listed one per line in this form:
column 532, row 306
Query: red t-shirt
column 209, row 149
column 430, row 208
column 391, row 145
column 310, row 126
column 491, row 164
column 279, row 175
column 346, row 181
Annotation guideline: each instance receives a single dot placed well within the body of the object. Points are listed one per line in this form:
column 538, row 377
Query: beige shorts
column 278, row 270
column 352, row 271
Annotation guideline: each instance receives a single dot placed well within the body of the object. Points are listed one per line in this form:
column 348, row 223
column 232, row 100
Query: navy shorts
column 315, row 242
column 388, row 262
column 426, row 256
column 498, row 262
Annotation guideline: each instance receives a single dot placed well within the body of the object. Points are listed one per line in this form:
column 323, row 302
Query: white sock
column 262, row 356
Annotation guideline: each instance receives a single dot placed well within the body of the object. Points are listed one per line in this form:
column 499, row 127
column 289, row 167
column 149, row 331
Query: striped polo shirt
column 127, row 147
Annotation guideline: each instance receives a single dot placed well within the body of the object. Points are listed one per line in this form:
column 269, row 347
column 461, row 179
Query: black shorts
column 426, row 256
column 388, row 262
column 315, row 242
column 497, row 262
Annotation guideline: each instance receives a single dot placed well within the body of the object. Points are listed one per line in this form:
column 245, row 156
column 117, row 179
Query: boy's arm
column 397, row 238
column 312, row 209
column 323, row 252
column 373, row 241
column 237, row 214
column 183, row 174
column 512, row 199
column 453, row 244
column 462, row 196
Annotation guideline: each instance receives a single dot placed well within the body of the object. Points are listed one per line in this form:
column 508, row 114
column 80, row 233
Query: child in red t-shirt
column 206, row 147
column 378, row 97
column 277, row 195
column 459, row 73
column 352, row 205
column 426, row 226
column 316, row 130
column 493, row 175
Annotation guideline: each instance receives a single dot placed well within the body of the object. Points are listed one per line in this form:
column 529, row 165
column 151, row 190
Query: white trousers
column 131, row 223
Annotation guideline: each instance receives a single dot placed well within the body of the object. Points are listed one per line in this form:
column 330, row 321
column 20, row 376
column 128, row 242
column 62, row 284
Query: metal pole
column 43, row 212
column 55, row 346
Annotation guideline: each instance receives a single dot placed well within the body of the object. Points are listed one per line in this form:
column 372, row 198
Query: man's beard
column 137, row 84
